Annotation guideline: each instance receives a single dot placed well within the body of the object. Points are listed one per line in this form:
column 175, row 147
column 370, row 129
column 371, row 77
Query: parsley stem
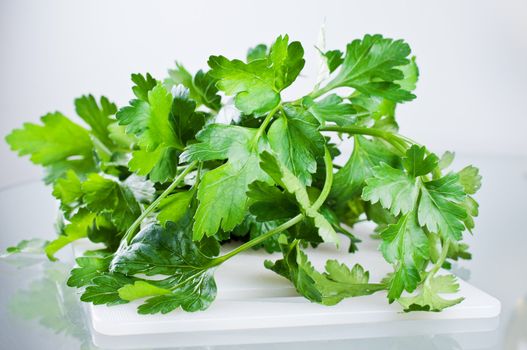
column 131, row 230
column 328, row 182
column 319, row 92
column 391, row 138
column 441, row 260
column 291, row 222
column 266, row 122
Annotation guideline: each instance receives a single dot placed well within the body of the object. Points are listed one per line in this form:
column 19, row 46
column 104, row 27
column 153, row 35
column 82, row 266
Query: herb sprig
column 161, row 183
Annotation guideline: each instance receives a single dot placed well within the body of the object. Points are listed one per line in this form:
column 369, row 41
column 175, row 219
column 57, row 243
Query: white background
column 472, row 57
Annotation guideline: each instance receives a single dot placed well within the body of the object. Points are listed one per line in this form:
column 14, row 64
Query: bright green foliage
column 297, row 142
column 88, row 267
column 257, row 84
column 328, row 288
column 168, row 251
column 97, row 117
column 441, row 209
column 222, row 193
column 367, row 154
column 296, row 267
column 286, row 179
column 333, row 59
column 394, row 189
column 58, row 144
column 175, row 206
column 159, row 144
column 202, row 87
column 160, row 184
column 104, row 289
column 439, row 206
column 331, row 108
column 405, row 245
column 105, row 195
column 371, row 67
column 428, row 298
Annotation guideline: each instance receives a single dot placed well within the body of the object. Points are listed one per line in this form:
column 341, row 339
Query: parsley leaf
column 428, row 299
column 105, row 195
column 371, row 66
column 286, row 179
column 297, row 142
column 235, row 143
column 97, row 117
column 58, row 144
column 202, row 87
column 257, row 84
column 367, row 154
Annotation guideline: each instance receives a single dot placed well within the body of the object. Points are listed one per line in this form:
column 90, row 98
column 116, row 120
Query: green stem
column 391, row 138
column 291, row 222
column 131, row 230
column 328, row 182
column 441, row 260
column 266, row 122
column 319, row 92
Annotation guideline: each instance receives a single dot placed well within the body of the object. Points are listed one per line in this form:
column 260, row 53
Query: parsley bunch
column 161, row 183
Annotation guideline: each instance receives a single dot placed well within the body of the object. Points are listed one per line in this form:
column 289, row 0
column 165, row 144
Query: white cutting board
column 255, row 305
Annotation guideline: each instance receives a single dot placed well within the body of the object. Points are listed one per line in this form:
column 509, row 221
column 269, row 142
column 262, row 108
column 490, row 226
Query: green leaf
column 170, row 251
column 184, row 118
column 441, row 207
column 194, row 295
column 31, row 246
column 350, row 179
column 297, row 142
column 297, row 268
column 470, row 179
column 339, row 282
column 405, row 245
column 202, row 87
column 429, row 299
column 157, row 250
column 252, row 83
column 76, row 229
column 270, row 203
column 107, row 195
column 418, row 163
column 287, row 61
column 160, row 165
column 153, row 122
column 286, row 179
column 257, row 53
column 139, row 290
column 69, row 191
column 88, row 267
column 446, row 160
column 329, row 288
column 394, row 189
column 371, row 66
column 331, row 108
column 237, row 144
column 257, row 84
column 97, row 116
column 143, row 84
column 411, row 75
column 105, row 289
column 333, row 59
column 175, row 206
column 58, row 144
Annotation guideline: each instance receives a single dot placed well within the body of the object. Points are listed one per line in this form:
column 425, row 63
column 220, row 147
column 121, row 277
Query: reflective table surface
column 37, row 310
